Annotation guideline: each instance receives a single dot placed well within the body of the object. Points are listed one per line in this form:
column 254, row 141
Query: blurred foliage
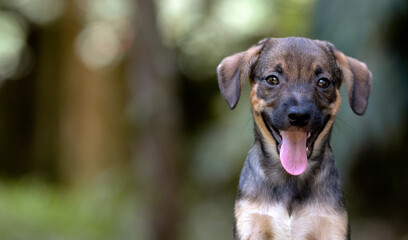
column 68, row 114
column 107, row 30
column 203, row 32
column 32, row 209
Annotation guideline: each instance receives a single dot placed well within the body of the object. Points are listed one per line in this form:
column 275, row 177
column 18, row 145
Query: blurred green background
column 112, row 126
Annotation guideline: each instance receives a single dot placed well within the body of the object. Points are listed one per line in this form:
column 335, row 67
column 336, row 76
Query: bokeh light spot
column 12, row 42
column 98, row 45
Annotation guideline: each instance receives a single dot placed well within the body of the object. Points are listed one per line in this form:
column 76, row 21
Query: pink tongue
column 293, row 152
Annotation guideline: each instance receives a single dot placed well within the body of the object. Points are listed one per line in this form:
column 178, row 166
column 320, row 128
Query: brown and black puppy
column 289, row 186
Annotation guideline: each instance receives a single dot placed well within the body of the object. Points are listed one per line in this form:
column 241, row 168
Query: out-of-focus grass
column 32, row 209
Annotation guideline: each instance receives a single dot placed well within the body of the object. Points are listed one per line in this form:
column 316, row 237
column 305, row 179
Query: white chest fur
column 272, row 221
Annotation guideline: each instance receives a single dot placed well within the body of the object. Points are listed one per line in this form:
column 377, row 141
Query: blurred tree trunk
column 156, row 112
column 46, row 115
column 16, row 126
column 29, row 109
column 91, row 126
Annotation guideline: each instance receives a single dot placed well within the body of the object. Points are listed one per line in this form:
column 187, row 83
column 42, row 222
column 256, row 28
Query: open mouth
column 277, row 135
column 294, row 146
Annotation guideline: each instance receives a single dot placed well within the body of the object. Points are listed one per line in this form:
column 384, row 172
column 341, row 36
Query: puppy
column 289, row 186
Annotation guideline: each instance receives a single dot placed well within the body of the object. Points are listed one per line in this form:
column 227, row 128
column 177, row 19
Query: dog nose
column 299, row 116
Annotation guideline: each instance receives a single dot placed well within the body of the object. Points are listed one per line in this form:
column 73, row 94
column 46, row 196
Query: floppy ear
column 234, row 70
column 358, row 81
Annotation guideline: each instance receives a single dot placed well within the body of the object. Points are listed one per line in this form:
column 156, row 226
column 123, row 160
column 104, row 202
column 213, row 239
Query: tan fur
column 257, row 106
column 333, row 109
column 268, row 218
column 319, row 221
column 248, row 60
column 345, row 69
column 314, row 221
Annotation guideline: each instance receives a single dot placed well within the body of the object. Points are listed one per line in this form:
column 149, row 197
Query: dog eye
column 323, row 83
column 272, row 80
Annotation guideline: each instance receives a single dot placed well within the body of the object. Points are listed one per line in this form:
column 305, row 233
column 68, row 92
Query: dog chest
column 272, row 221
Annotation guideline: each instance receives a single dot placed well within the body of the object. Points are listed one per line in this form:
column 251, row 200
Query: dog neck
column 263, row 177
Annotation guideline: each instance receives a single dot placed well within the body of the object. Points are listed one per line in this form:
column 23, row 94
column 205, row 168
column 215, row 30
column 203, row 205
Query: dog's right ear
column 234, row 70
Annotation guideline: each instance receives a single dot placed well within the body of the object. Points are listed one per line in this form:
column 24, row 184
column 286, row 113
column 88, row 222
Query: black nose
column 299, row 116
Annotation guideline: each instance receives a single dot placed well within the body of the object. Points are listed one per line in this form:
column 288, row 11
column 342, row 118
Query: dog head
column 295, row 93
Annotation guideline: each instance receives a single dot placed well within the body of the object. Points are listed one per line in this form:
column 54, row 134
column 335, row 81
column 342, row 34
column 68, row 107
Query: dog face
column 294, row 93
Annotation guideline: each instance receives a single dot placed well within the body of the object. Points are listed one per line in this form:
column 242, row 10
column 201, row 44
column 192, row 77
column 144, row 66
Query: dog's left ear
column 358, row 81
column 234, row 70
